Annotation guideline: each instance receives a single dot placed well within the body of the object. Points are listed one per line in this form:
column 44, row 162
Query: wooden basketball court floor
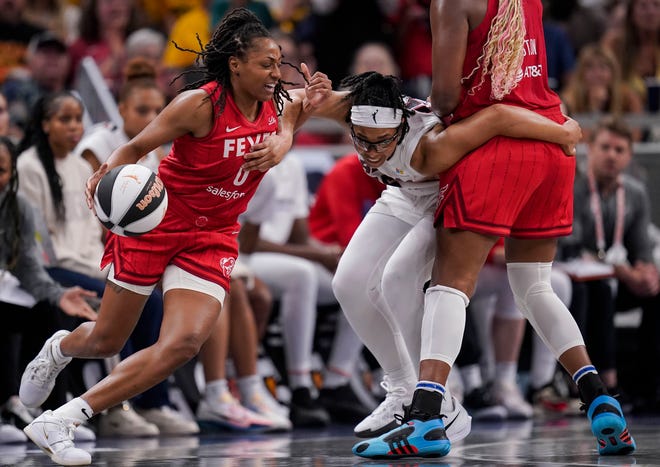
column 565, row 442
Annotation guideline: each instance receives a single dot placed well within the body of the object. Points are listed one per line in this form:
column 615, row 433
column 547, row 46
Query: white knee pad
column 443, row 323
column 530, row 283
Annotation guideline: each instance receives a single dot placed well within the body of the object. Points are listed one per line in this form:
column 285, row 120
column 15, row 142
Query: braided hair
column 35, row 136
column 504, row 51
column 12, row 234
column 233, row 37
column 373, row 88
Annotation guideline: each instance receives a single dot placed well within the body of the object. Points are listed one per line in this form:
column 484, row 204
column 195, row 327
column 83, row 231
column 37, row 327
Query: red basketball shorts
column 510, row 188
column 207, row 254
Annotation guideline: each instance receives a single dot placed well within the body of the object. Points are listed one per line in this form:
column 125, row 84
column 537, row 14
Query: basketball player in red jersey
column 487, row 51
column 213, row 123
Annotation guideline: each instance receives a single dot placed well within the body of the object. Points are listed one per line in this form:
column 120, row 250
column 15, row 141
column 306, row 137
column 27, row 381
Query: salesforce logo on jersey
column 224, row 194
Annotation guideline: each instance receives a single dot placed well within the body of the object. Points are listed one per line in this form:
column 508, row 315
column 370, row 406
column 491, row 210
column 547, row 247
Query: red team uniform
column 532, row 180
column 207, row 190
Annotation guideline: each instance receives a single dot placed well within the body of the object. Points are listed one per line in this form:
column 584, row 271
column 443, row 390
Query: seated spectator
column 48, row 67
column 104, row 27
column 611, row 226
column 636, row 46
column 140, row 100
column 597, row 87
column 149, row 44
column 31, row 300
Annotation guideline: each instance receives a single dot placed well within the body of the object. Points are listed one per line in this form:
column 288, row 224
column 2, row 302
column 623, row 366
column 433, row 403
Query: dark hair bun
column 139, row 68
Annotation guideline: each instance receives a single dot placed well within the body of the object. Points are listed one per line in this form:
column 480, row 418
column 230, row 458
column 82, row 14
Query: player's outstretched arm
column 442, row 149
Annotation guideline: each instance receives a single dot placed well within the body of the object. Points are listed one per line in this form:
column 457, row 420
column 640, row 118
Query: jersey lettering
column 241, row 145
column 530, row 47
column 241, row 176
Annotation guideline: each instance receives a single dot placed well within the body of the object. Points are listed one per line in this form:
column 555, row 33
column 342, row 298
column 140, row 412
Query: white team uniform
column 381, row 274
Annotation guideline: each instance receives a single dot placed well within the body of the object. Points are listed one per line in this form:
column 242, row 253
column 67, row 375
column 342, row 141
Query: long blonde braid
column 504, row 51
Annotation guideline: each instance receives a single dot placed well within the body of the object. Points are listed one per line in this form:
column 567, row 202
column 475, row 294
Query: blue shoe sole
column 396, row 445
column 610, row 429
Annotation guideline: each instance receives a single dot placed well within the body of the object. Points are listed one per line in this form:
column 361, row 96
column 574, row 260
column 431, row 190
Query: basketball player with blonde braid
column 213, row 123
column 487, row 52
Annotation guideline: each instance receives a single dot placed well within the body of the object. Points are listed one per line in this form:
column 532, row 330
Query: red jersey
column 510, row 187
column 203, row 176
column 207, row 190
column 532, row 91
column 342, row 199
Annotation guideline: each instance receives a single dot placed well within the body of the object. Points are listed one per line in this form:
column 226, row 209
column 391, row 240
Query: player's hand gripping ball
column 130, row 200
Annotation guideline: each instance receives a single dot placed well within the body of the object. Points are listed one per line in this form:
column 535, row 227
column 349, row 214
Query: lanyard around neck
column 598, row 215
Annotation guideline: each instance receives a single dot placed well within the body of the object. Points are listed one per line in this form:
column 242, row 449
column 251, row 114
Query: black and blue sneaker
column 609, row 427
column 415, row 438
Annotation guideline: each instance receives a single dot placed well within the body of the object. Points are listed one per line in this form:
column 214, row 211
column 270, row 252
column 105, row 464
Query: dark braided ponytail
column 12, row 233
column 373, row 88
column 233, row 37
column 35, row 136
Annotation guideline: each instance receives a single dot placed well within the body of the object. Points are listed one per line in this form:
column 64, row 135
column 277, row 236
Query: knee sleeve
column 530, row 284
column 443, row 323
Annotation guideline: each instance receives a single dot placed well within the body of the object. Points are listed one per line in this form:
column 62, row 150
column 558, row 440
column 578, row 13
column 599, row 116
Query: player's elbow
column 443, row 102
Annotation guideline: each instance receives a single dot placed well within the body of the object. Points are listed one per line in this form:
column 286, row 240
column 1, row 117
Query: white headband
column 372, row 116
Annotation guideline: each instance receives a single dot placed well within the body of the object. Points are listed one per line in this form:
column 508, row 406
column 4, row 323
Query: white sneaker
column 458, row 422
column 10, row 434
column 39, row 376
column 169, row 421
column 225, row 411
column 509, row 396
column 54, row 435
column 387, row 415
column 263, row 403
column 16, row 413
column 124, row 421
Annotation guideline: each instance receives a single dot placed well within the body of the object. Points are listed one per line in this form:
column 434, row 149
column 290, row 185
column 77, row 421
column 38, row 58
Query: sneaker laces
column 392, row 393
column 65, row 428
column 408, row 415
column 45, row 370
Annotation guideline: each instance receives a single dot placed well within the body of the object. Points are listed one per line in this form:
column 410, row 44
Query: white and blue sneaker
column 390, row 413
column 415, row 438
column 609, row 427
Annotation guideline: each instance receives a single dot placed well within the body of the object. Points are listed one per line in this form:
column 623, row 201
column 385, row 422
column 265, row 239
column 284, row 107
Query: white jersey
column 102, row 139
column 396, row 171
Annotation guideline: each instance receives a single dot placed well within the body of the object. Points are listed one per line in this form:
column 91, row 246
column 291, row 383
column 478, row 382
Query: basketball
column 130, row 200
